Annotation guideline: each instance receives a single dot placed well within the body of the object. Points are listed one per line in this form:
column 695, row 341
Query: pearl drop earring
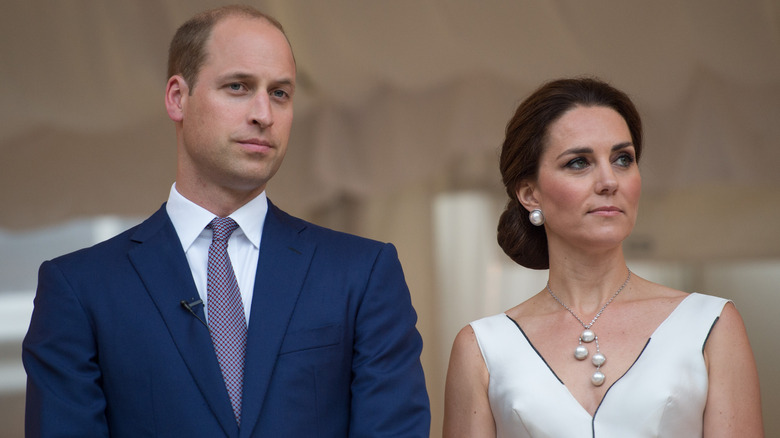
column 536, row 217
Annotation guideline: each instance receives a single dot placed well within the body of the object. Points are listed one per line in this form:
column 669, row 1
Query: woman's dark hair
column 526, row 136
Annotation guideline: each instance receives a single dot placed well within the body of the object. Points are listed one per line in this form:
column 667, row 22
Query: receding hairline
column 217, row 15
column 241, row 14
column 209, row 19
column 263, row 18
column 249, row 14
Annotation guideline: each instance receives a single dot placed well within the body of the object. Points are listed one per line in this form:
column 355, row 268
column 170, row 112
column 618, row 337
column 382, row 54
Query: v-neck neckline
column 603, row 397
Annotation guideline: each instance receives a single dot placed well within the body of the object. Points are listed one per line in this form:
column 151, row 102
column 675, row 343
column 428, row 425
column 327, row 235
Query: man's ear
column 176, row 93
column 526, row 194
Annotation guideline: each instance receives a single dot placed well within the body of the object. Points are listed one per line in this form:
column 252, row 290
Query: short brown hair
column 187, row 51
column 526, row 136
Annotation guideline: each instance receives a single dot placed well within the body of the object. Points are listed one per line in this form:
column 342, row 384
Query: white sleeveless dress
column 662, row 395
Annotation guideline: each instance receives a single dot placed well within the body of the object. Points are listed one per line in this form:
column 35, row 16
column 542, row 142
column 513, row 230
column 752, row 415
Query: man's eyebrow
column 246, row 77
column 285, row 82
column 239, row 76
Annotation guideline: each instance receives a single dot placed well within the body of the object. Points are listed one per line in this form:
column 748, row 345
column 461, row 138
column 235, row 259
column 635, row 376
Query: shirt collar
column 190, row 219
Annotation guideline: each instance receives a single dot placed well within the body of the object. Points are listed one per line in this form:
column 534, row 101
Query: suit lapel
column 162, row 266
column 281, row 269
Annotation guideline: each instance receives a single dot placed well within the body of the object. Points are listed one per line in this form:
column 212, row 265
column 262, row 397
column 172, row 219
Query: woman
column 599, row 352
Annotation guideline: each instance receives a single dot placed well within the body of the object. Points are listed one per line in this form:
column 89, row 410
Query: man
column 291, row 331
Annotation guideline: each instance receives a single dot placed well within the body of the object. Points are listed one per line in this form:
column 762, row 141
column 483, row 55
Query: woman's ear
column 526, row 194
column 176, row 92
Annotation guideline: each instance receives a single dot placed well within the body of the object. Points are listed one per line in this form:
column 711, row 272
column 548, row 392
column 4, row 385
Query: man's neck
column 218, row 200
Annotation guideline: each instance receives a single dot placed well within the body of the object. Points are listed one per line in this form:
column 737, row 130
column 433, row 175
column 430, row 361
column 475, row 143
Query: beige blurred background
column 400, row 113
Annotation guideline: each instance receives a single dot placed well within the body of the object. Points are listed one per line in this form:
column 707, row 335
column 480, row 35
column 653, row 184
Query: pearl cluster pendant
column 587, row 336
column 598, row 359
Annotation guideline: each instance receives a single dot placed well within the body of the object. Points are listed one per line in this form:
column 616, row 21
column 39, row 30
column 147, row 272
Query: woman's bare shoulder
column 465, row 347
column 532, row 307
column 643, row 289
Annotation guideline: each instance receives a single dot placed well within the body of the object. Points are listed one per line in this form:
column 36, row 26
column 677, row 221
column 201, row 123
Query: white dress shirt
column 190, row 221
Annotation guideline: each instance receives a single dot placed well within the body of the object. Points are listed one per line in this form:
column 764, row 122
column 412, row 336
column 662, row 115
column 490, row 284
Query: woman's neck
column 585, row 281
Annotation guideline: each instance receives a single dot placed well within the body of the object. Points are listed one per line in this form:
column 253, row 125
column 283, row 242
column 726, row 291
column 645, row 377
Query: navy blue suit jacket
column 332, row 348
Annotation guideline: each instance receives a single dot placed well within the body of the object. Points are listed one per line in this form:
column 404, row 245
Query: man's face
column 235, row 122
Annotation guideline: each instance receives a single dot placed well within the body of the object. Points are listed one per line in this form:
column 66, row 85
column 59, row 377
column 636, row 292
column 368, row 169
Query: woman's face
column 588, row 183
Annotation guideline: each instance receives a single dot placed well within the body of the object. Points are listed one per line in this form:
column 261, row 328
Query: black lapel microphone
column 189, row 307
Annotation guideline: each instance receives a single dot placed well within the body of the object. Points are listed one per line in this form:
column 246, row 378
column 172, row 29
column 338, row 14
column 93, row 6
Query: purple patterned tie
column 227, row 322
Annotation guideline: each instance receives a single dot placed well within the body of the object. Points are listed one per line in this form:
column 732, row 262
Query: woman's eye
column 624, row 160
column 577, row 163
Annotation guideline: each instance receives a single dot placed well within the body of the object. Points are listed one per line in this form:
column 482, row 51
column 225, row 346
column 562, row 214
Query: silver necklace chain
column 588, row 336
column 587, row 326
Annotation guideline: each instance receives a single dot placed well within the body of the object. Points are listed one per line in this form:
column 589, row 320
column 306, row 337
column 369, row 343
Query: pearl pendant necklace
column 587, row 336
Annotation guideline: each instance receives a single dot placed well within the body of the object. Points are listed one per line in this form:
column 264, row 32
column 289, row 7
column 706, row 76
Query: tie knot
column 223, row 227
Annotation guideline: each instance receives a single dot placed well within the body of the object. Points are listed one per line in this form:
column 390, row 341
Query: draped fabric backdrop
column 400, row 101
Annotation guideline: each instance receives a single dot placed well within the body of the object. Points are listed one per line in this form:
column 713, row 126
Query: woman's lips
column 606, row 211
